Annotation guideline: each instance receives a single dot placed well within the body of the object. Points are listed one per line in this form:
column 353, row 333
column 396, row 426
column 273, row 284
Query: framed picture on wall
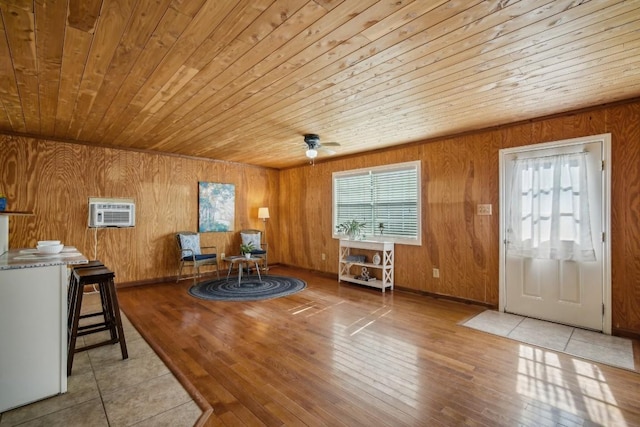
column 216, row 206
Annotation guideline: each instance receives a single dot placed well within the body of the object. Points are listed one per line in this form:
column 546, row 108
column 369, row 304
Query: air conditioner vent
column 111, row 212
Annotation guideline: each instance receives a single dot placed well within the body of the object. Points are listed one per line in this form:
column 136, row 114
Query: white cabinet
column 33, row 333
column 349, row 270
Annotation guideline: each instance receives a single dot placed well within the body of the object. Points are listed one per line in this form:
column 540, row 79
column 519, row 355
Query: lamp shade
column 311, row 153
column 263, row 213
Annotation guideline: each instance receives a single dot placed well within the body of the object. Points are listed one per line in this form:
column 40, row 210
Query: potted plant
column 246, row 249
column 352, row 228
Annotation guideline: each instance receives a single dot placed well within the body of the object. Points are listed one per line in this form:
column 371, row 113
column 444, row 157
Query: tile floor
column 105, row 390
column 590, row 345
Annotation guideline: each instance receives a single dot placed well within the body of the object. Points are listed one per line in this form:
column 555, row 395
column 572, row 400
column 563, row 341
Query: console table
column 368, row 248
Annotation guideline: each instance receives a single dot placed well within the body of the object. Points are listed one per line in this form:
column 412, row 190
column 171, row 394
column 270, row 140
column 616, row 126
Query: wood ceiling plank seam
column 49, row 34
column 212, row 101
column 124, row 137
column 235, row 70
column 400, row 18
column 443, row 99
column 196, row 32
column 467, row 117
column 138, row 131
column 9, row 93
column 144, row 20
column 376, row 20
column 110, row 27
column 251, row 99
column 488, row 100
column 348, row 71
column 611, row 53
column 170, row 29
column 20, row 29
column 205, row 51
column 77, row 44
column 517, row 111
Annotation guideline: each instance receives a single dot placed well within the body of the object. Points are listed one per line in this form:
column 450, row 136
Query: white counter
column 33, row 325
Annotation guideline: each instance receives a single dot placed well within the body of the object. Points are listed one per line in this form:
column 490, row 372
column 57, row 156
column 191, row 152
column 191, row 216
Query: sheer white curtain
column 549, row 209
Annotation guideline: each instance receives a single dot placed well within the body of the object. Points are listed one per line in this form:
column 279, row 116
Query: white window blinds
column 387, row 196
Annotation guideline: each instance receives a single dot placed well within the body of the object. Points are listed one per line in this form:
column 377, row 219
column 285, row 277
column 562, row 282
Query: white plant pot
column 247, row 255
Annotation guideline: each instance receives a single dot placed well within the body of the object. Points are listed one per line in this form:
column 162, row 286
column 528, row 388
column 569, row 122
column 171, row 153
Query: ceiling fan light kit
column 313, row 145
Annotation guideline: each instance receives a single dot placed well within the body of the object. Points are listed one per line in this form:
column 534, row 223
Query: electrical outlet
column 436, row 273
column 484, row 209
column 222, row 255
column 324, row 257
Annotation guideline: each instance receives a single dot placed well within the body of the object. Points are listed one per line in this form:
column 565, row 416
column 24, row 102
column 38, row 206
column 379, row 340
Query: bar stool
column 70, row 291
column 103, row 278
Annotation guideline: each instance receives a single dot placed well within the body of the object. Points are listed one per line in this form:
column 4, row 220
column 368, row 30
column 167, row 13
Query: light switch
column 484, row 209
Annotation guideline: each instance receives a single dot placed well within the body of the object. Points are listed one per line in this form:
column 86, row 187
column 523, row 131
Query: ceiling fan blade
column 328, row 151
column 331, row 144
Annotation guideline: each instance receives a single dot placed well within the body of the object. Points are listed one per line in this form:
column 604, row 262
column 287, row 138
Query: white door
column 549, row 287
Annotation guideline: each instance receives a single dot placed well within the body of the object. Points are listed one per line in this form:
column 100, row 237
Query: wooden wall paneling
column 619, row 310
column 453, row 239
column 285, row 194
column 625, row 226
column 491, row 191
column 429, row 228
column 119, row 248
column 17, row 166
column 439, row 198
column 478, row 191
column 153, row 242
column 80, row 175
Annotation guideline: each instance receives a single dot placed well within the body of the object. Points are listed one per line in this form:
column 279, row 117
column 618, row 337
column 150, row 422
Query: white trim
column 605, row 139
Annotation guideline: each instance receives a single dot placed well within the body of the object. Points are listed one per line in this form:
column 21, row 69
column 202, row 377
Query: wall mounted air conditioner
column 111, row 212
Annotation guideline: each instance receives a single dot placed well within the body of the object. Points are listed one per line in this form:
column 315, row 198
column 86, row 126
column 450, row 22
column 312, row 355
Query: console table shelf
column 367, row 248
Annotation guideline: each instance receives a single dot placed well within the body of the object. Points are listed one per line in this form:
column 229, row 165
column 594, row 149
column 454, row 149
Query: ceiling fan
column 313, row 146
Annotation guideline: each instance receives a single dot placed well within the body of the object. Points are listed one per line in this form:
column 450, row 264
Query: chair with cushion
column 254, row 237
column 192, row 255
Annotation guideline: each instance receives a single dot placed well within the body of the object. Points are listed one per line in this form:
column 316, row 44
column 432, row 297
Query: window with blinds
column 385, row 198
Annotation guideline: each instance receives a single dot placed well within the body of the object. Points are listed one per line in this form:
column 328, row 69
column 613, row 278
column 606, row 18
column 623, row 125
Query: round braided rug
column 250, row 289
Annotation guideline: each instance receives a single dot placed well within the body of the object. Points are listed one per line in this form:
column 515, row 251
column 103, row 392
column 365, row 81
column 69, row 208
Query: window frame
column 416, row 164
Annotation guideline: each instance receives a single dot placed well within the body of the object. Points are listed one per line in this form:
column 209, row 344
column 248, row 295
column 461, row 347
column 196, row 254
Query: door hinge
column 603, row 237
column 603, row 309
column 602, row 165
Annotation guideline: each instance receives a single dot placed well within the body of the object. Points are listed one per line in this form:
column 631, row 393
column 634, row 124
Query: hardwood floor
column 346, row 355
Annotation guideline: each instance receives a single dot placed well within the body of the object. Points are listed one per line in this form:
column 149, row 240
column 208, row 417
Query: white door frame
column 606, row 215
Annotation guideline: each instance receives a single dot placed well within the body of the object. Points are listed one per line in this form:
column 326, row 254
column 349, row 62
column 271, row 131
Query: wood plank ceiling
column 242, row 81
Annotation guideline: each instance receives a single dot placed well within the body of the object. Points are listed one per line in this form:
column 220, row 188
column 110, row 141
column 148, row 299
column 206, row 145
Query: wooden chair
column 192, row 255
column 255, row 238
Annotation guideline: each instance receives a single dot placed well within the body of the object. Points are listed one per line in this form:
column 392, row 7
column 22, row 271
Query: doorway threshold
column 586, row 344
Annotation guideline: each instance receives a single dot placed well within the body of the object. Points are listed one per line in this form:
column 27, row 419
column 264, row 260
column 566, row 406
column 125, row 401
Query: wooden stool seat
column 100, row 276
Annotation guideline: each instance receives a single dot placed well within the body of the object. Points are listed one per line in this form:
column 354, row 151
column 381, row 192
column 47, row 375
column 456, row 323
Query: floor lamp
column 263, row 214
